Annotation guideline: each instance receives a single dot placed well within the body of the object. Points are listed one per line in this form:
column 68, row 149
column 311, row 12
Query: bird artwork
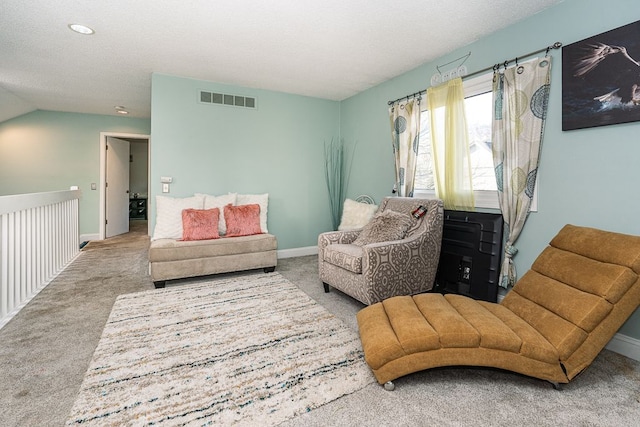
column 601, row 79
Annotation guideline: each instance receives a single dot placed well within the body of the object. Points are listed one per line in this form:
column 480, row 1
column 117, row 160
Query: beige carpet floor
column 45, row 351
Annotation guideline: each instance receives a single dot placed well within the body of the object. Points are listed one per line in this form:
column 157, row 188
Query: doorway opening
column 123, row 207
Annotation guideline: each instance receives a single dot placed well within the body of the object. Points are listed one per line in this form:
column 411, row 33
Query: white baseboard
column 291, row 253
column 87, row 237
column 625, row 345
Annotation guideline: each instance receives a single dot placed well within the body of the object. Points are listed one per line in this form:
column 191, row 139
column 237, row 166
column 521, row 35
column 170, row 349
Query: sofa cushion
column 384, row 227
column 174, row 250
column 169, row 215
column 242, row 220
column 356, row 215
column 348, row 257
column 200, row 224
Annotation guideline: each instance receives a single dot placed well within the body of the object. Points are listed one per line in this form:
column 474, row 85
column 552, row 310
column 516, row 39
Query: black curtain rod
column 556, row 45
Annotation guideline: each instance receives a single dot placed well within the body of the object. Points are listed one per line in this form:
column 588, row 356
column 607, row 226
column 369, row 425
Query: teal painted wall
column 50, row 151
column 277, row 149
column 587, row 177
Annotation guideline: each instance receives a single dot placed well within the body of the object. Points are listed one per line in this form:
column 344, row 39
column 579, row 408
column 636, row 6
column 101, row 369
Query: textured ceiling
column 322, row 48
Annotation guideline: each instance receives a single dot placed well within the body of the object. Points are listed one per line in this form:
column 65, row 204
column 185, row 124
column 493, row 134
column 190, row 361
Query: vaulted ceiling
column 330, row 49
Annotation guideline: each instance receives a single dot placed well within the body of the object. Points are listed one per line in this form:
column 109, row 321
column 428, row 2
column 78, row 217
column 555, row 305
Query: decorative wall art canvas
column 601, row 79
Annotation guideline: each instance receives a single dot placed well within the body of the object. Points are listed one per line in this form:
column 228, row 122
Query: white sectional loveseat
column 185, row 243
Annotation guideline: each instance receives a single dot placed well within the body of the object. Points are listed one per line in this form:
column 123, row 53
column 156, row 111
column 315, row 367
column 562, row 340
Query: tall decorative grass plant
column 337, row 166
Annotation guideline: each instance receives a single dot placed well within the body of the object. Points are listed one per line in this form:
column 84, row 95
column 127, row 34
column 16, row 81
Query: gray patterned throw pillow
column 384, row 227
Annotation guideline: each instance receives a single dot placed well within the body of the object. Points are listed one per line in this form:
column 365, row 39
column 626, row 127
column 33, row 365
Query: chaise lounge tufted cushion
column 551, row 326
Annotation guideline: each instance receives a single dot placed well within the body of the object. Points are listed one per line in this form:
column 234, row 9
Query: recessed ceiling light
column 82, row 29
column 121, row 110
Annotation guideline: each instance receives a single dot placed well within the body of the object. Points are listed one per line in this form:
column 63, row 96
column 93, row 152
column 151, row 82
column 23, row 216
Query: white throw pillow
column 169, row 215
column 356, row 215
column 260, row 199
column 219, row 202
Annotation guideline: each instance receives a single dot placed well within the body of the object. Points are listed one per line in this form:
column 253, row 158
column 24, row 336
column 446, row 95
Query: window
column 478, row 109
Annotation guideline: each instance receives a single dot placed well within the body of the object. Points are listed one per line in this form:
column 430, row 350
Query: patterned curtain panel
column 405, row 135
column 520, row 96
column 450, row 145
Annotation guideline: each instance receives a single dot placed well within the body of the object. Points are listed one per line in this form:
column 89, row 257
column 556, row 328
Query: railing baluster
column 12, row 261
column 4, row 265
column 39, row 237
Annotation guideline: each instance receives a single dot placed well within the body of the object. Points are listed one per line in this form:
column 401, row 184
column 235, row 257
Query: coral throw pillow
column 259, row 199
column 200, row 224
column 243, row 220
column 219, row 202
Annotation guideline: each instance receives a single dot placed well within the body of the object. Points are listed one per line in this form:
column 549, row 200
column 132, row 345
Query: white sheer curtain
column 520, row 97
column 405, row 136
column 450, row 145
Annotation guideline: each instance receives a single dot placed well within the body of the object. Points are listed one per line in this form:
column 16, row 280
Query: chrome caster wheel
column 389, row 386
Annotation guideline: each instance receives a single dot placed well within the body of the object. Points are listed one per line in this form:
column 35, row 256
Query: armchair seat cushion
column 348, row 257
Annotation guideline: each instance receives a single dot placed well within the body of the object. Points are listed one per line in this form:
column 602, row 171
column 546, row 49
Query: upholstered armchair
column 372, row 272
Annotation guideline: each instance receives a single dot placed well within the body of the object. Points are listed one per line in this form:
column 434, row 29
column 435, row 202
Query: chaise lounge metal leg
column 389, row 386
column 556, row 385
column 326, row 288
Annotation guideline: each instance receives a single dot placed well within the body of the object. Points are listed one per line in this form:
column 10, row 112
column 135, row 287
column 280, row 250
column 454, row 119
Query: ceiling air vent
column 226, row 99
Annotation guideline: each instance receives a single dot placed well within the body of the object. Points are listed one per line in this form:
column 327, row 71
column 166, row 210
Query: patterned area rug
column 251, row 350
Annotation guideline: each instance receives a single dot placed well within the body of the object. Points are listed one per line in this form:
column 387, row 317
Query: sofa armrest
column 403, row 248
column 337, row 237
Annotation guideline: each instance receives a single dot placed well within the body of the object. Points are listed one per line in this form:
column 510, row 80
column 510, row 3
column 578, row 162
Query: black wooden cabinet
column 138, row 208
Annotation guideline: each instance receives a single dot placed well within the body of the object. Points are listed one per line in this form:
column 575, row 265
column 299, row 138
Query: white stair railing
column 39, row 237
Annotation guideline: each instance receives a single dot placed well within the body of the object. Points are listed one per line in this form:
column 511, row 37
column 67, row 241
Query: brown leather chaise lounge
column 551, row 325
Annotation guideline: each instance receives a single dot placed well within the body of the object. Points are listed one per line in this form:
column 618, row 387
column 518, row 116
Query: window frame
column 484, row 199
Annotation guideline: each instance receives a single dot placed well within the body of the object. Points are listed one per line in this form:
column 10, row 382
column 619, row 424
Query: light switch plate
column 165, row 188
